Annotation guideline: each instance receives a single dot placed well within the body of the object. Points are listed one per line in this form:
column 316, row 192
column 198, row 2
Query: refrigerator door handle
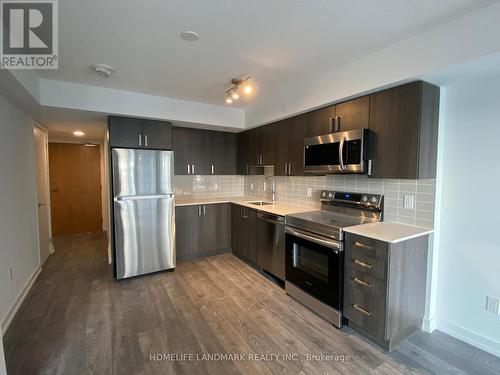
column 142, row 197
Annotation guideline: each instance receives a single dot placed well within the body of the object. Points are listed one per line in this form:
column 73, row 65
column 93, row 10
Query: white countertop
column 277, row 208
column 389, row 232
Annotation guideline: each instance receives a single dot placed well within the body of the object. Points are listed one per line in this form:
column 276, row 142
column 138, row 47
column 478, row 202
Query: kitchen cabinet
column 295, row 133
column 403, row 131
column 222, row 153
column 243, row 233
column 203, row 152
column 353, row 114
column 129, row 132
column 384, row 287
column 320, row 121
column 202, row 230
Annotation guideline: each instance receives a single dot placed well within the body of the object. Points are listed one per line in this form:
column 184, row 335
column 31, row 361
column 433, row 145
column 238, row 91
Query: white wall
column 3, row 370
column 468, row 226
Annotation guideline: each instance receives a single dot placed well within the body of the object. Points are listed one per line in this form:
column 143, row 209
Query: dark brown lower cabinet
column 202, row 230
column 384, row 287
column 243, row 233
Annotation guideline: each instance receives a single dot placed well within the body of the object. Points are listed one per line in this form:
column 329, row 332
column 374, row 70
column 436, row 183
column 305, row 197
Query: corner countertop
column 276, row 209
column 389, row 232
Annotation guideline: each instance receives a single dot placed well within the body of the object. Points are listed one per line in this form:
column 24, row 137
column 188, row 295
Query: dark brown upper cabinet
column 320, row 121
column 139, row 133
column 203, row 152
column 404, row 127
column 353, row 114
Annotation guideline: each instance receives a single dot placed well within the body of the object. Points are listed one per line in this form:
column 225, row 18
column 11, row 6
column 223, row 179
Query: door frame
column 47, row 178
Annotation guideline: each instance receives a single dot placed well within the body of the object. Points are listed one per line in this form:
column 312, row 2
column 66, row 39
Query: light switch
column 409, row 202
column 309, row 192
column 492, row 305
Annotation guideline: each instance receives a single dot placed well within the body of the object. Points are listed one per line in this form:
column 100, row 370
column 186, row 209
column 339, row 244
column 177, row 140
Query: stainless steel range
column 315, row 249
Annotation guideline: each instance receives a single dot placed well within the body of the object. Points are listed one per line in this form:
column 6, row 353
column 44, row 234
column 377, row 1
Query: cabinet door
column 181, row 147
column 296, row 132
column 255, row 146
column 319, row 121
column 281, row 145
column 394, row 125
column 251, row 235
column 187, row 231
column 243, row 151
column 157, row 134
column 199, row 143
column 222, row 153
column 354, row 114
column 125, row 132
column 237, row 230
column 269, row 142
column 216, row 224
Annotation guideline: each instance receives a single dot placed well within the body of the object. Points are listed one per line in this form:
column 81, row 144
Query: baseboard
column 20, row 298
column 429, row 324
column 469, row 337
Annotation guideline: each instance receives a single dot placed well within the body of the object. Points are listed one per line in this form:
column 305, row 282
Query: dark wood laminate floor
column 78, row 320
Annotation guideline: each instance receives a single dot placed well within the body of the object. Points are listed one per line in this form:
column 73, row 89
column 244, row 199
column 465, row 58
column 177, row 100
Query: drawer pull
column 361, row 310
column 362, row 246
column 362, row 282
column 363, row 264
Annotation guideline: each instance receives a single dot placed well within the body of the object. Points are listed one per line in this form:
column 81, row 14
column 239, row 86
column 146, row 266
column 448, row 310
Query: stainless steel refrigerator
column 143, row 210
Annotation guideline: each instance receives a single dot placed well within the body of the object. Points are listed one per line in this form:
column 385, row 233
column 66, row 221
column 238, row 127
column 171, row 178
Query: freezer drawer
column 144, row 235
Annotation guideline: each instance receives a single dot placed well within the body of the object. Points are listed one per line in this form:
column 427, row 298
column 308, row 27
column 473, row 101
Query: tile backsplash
column 208, row 186
column 294, row 190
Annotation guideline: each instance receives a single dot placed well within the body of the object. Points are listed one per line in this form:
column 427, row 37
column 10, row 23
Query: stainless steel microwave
column 342, row 152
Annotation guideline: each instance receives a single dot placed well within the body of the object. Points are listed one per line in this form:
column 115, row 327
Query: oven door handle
column 317, row 240
column 341, row 153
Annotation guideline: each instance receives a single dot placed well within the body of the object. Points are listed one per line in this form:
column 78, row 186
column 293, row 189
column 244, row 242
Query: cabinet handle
column 204, row 210
column 286, row 169
column 140, row 139
column 370, row 167
column 199, row 210
column 290, row 169
column 212, row 169
column 189, row 169
column 146, row 140
column 192, row 168
column 361, row 309
column 362, row 282
column 363, row 264
column 362, row 246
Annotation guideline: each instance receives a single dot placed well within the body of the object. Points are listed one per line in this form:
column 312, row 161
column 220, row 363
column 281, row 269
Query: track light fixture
column 233, row 93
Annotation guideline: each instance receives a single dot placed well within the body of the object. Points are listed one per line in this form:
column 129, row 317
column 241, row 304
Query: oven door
column 315, row 264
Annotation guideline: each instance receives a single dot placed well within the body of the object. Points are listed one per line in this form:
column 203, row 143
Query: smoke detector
column 103, row 70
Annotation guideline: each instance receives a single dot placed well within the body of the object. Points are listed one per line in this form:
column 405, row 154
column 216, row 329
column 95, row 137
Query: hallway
column 78, row 320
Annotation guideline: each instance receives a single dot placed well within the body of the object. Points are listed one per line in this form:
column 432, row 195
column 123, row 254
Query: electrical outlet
column 216, row 186
column 409, row 202
column 251, row 186
column 492, row 305
column 10, row 274
column 309, row 192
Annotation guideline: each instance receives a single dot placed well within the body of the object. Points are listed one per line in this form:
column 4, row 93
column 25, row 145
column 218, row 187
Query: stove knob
column 374, row 199
column 365, row 198
column 323, row 194
column 330, row 195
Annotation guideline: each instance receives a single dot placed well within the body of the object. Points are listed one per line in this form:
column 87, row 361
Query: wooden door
column 222, row 153
column 354, row 114
column 187, row 231
column 319, row 121
column 75, row 188
column 296, row 133
column 199, row 145
column 125, row 132
column 181, row 146
column 157, row 134
column 216, row 233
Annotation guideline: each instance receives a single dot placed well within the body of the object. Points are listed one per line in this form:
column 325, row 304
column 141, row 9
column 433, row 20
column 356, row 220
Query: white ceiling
column 274, row 40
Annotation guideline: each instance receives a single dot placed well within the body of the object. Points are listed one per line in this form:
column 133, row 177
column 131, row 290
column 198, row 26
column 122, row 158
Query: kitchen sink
column 261, row 203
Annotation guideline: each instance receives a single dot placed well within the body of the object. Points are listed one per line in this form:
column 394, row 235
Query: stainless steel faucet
column 273, row 187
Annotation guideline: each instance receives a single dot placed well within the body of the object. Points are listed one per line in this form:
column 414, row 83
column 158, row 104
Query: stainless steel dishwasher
column 271, row 244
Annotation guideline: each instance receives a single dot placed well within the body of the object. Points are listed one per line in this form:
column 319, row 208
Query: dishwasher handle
column 272, row 219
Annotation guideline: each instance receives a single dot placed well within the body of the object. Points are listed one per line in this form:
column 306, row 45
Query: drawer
column 358, row 260
column 365, row 302
column 368, row 246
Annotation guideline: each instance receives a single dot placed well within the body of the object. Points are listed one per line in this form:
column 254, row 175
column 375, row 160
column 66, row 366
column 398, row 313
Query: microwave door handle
column 341, row 154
